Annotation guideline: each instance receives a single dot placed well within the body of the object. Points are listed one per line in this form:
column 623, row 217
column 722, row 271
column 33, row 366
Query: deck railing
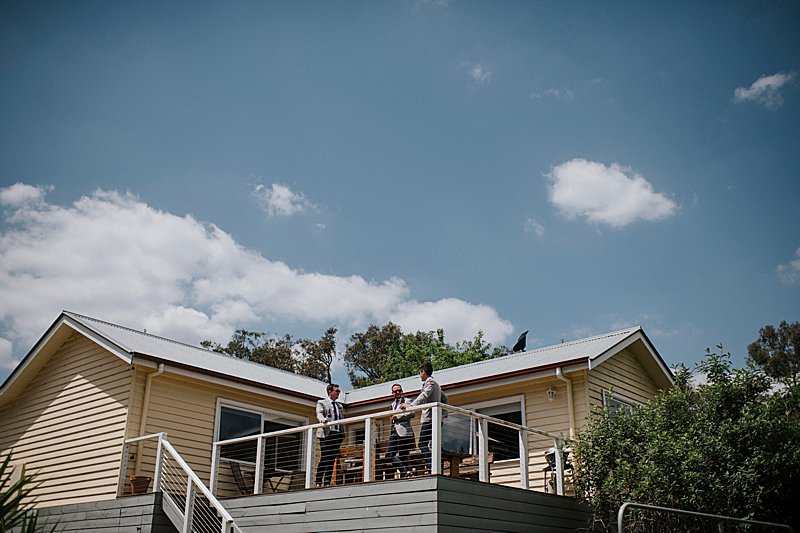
column 186, row 500
column 464, row 443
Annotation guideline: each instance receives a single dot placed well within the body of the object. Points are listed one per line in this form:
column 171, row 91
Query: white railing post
column 436, row 440
column 259, row 481
column 215, row 455
column 188, row 515
column 310, row 445
column 559, row 469
column 368, row 449
column 483, row 449
column 123, row 469
column 159, row 467
column 524, row 459
column 226, row 526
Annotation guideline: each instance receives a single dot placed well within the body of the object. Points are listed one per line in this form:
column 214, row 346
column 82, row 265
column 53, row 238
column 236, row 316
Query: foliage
column 306, row 357
column 726, row 447
column 318, row 357
column 13, row 513
column 383, row 354
column 777, row 352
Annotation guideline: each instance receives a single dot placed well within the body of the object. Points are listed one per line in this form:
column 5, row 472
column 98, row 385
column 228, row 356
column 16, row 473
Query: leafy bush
column 14, row 514
column 729, row 447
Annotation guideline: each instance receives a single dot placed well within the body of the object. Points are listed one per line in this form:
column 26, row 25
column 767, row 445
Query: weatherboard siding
column 68, row 425
column 624, row 375
column 185, row 409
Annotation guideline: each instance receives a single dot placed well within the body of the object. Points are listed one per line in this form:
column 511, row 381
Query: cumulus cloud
column 789, row 273
column 112, row 256
column 21, row 194
column 280, row 201
column 460, row 320
column 764, row 91
column 612, row 195
column 479, row 72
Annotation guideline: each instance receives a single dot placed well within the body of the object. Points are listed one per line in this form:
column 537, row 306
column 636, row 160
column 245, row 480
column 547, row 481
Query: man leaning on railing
column 431, row 393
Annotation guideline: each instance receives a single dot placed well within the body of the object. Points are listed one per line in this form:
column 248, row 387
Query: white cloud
column 559, row 94
column 613, row 195
column 789, row 273
column 280, row 201
column 7, row 360
column 461, row 320
column 21, row 194
column 479, row 72
column 764, row 91
column 531, row 226
column 112, row 256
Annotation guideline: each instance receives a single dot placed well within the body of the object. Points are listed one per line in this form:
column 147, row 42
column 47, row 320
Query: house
column 88, row 385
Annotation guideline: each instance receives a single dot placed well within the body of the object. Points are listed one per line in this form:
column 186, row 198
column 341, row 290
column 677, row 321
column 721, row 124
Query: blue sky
column 568, row 168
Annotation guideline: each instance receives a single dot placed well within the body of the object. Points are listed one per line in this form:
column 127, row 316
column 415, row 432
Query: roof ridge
column 187, row 345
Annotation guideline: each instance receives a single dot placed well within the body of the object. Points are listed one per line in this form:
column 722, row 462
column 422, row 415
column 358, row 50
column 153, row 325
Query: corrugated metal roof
column 586, row 349
column 169, row 351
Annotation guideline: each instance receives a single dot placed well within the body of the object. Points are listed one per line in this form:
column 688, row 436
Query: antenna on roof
column 520, row 345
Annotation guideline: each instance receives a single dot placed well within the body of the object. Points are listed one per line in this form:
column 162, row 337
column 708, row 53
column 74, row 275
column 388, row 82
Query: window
column 238, row 420
column 503, row 440
column 616, row 403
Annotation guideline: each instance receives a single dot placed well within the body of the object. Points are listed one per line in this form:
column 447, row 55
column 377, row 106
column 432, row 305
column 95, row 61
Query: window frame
column 266, row 413
column 518, row 399
column 622, row 401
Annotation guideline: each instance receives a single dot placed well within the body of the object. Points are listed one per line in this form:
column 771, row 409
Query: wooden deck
column 425, row 504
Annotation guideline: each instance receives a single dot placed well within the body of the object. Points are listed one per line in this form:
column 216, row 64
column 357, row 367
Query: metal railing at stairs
column 186, row 501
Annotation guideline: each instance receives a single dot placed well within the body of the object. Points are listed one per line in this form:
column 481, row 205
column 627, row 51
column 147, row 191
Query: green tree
column 384, row 354
column 277, row 352
column 725, row 447
column 318, row 357
column 777, row 352
column 367, row 353
column 312, row 358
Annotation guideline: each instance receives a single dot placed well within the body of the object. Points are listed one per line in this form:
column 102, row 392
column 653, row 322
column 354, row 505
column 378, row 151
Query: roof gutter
column 570, row 402
column 145, row 407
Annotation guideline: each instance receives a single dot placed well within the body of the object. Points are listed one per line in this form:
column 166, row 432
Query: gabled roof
column 137, row 346
column 586, row 353
column 130, row 345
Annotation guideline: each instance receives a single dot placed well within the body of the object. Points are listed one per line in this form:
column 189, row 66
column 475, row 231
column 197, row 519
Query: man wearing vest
column 401, row 438
column 330, row 436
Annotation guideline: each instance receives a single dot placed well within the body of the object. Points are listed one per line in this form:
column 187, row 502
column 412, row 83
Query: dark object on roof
column 520, row 345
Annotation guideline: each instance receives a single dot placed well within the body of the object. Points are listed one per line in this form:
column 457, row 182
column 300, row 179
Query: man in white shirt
column 431, row 392
column 331, row 436
column 401, row 438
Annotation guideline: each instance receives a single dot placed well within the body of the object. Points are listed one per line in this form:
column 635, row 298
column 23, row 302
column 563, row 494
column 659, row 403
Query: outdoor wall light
column 551, row 393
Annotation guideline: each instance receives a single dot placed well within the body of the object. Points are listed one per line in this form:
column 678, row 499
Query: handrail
column 627, row 505
column 437, row 412
column 194, row 482
column 200, row 485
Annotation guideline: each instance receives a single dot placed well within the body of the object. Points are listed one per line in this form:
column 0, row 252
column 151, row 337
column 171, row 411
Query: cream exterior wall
column 186, row 410
column 68, row 424
column 624, row 375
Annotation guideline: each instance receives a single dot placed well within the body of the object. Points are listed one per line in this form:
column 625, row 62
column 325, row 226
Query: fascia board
column 55, row 331
column 456, row 388
column 99, row 338
column 226, row 382
column 634, row 337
